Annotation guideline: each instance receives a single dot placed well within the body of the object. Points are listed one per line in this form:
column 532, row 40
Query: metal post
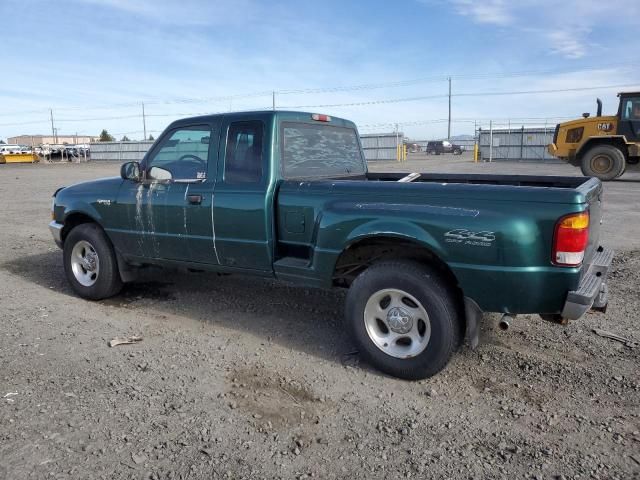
column 397, row 145
column 522, row 143
column 449, row 122
column 144, row 123
column 476, row 141
column 273, row 99
column 509, row 137
column 490, row 141
column 53, row 130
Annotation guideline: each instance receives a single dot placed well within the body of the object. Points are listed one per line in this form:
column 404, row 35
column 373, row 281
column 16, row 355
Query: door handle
column 194, row 199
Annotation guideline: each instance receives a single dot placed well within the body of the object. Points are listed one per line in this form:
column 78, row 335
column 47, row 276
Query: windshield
column 310, row 150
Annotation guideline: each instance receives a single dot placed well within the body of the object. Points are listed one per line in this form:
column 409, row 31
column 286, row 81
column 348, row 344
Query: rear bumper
column 592, row 291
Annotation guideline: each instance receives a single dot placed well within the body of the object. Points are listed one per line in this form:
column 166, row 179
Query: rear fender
column 401, row 230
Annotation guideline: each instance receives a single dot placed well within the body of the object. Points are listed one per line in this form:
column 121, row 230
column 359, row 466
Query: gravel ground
column 246, row 378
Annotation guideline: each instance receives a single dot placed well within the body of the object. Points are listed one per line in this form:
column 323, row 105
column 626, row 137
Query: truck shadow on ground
column 305, row 319
column 308, row 320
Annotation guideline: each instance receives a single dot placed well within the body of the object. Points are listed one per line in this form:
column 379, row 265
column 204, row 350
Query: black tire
column 107, row 279
column 457, row 152
column 605, row 162
column 435, row 295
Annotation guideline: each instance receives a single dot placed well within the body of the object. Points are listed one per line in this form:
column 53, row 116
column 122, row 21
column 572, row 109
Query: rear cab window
column 320, row 151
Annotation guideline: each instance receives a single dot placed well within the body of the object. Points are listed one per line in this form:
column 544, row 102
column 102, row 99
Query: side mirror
column 131, row 171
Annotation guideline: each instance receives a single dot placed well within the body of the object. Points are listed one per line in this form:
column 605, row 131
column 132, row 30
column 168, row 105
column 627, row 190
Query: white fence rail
column 119, row 151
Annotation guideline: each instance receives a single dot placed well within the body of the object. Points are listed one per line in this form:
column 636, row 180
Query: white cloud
column 184, row 12
column 566, row 27
column 569, row 44
column 495, row 12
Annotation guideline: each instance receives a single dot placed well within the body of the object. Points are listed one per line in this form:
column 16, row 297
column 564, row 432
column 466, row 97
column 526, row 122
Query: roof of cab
column 285, row 114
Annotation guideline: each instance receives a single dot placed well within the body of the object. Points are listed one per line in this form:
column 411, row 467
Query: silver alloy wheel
column 85, row 263
column 397, row 323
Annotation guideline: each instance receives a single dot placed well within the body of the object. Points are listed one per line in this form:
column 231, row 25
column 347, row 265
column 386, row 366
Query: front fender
column 83, row 208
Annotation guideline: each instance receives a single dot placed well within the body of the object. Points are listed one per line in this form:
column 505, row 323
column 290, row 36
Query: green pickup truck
column 288, row 195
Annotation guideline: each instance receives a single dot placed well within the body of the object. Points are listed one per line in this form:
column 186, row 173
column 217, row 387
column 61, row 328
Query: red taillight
column 319, row 117
column 570, row 239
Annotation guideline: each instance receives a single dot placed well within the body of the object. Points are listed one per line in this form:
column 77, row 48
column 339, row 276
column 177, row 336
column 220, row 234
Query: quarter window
column 243, row 159
column 183, row 155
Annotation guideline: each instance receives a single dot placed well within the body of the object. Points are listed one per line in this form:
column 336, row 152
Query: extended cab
column 288, row 195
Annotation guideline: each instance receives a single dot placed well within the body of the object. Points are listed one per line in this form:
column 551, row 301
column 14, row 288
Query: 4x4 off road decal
column 481, row 238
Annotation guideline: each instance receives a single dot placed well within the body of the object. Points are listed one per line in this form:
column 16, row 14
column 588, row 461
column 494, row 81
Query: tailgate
column 592, row 190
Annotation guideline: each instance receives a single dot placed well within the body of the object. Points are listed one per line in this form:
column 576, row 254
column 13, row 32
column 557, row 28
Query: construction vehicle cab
column 602, row 146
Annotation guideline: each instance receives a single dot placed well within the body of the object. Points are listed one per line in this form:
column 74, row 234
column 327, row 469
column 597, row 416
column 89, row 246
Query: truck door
column 629, row 125
column 170, row 209
column 243, row 199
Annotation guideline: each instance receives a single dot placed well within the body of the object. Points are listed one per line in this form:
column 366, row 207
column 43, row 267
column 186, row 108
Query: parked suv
column 443, row 146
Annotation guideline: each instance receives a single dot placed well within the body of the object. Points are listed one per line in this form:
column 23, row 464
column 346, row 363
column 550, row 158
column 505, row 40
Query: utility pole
column 53, row 130
column 144, row 123
column 449, row 122
column 273, row 99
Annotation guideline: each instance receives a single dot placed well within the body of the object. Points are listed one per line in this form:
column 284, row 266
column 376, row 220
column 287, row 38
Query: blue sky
column 94, row 61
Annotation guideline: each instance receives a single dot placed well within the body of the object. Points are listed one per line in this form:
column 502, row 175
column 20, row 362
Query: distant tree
column 125, row 139
column 151, row 138
column 105, row 136
column 2, row 142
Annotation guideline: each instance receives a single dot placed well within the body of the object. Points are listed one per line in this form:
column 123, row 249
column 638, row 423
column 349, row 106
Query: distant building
column 35, row 140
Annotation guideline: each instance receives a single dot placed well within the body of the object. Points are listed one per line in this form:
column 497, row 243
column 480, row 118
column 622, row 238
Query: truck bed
column 479, row 179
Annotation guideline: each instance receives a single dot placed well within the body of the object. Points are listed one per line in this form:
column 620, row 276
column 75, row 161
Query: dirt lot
column 244, row 378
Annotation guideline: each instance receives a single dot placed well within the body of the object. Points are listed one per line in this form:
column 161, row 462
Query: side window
column 631, row 109
column 243, row 159
column 183, row 155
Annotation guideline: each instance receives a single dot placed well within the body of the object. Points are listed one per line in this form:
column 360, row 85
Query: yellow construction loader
column 602, row 146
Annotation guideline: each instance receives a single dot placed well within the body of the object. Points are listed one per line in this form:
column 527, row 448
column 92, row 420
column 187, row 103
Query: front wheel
column 605, row 162
column 90, row 263
column 403, row 318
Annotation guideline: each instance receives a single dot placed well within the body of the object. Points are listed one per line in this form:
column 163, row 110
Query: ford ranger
column 287, row 195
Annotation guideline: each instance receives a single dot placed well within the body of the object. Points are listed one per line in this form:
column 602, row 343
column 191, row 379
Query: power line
column 353, row 104
column 334, row 89
column 466, row 94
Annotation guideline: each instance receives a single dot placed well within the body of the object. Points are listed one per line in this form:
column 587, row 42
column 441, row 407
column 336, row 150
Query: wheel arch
column 364, row 250
column 618, row 141
column 75, row 218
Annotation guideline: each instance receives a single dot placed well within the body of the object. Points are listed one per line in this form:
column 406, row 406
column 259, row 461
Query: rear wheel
column 90, row 263
column 605, row 162
column 403, row 318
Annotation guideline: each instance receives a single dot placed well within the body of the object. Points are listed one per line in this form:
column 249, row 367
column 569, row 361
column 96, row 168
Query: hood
column 103, row 186
column 580, row 122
